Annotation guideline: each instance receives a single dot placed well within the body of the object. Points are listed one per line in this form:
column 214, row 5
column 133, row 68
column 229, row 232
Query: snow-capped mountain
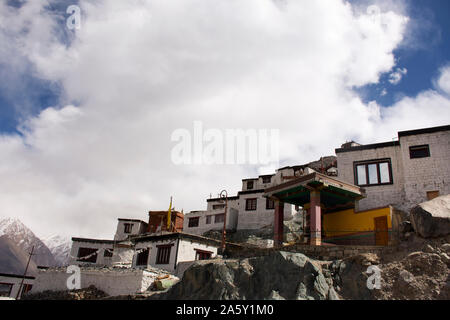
column 60, row 248
column 25, row 239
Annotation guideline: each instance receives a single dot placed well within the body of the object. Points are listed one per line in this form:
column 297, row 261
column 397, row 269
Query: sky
column 87, row 115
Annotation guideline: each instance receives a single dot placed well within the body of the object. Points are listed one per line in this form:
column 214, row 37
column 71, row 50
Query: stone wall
column 426, row 174
column 113, row 281
column 316, row 252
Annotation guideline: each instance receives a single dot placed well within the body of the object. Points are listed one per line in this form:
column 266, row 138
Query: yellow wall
column 347, row 221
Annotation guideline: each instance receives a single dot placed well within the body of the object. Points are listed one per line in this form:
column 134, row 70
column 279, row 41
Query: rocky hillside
column 422, row 274
column 12, row 259
column 25, row 239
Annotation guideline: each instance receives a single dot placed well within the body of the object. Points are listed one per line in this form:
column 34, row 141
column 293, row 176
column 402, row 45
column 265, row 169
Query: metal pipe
column 24, row 274
column 224, row 195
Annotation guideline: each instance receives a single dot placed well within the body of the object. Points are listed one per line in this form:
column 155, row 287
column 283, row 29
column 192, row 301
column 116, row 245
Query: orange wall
column 348, row 222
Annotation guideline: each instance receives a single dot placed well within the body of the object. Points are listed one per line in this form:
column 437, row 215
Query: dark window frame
column 208, row 218
column 202, row 254
column 413, row 149
column 250, row 185
column 26, row 288
column 249, row 202
column 270, row 204
column 267, row 179
column 366, row 163
column 107, row 253
column 10, row 288
column 128, row 228
column 83, row 252
column 218, row 206
column 191, row 224
column 222, row 215
column 142, row 257
column 163, row 253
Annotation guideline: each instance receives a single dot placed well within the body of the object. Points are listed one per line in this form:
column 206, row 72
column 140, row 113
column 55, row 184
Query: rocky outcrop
column 280, row 275
column 431, row 219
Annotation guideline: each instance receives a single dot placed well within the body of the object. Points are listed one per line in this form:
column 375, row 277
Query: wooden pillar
column 278, row 231
column 315, row 220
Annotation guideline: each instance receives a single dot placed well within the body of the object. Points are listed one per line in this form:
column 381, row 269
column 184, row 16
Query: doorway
column 381, row 231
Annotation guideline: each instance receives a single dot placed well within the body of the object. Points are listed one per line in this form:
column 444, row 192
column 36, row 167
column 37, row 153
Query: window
column 249, row 185
column 87, row 255
column 270, row 204
column 372, row 173
column 208, row 219
column 202, row 255
column 163, row 254
column 218, row 206
column 5, row 289
column 250, row 204
column 108, row 253
column 26, row 288
column 142, row 257
column 219, row 218
column 432, row 195
column 193, row 222
column 267, row 179
column 128, row 227
column 416, row 152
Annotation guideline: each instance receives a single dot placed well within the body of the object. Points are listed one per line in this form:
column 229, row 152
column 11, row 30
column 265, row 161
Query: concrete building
column 248, row 210
column 10, row 285
column 140, row 250
column 130, row 263
column 130, row 227
column 401, row 173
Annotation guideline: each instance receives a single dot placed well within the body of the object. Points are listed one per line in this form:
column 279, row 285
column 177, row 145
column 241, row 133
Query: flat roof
column 424, row 131
column 393, row 143
column 220, row 199
column 335, row 194
column 176, row 235
column 133, row 220
column 369, row 146
column 93, row 240
column 16, row 276
column 251, row 191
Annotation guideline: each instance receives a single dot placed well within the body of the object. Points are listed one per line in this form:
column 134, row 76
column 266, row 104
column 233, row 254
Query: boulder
column 431, row 219
column 277, row 276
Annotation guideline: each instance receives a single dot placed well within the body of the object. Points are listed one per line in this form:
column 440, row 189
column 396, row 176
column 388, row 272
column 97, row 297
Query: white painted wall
column 231, row 224
column 111, row 281
column 15, row 281
column 412, row 177
column 101, row 260
column 426, row 174
column 262, row 217
column 153, row 253
column 377, row 196
column 138, row 228
column 186, row 252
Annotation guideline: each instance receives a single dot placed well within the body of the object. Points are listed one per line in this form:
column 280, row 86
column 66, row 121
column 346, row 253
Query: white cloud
column 142, row 69
column 444, row 80
column 397, row 76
